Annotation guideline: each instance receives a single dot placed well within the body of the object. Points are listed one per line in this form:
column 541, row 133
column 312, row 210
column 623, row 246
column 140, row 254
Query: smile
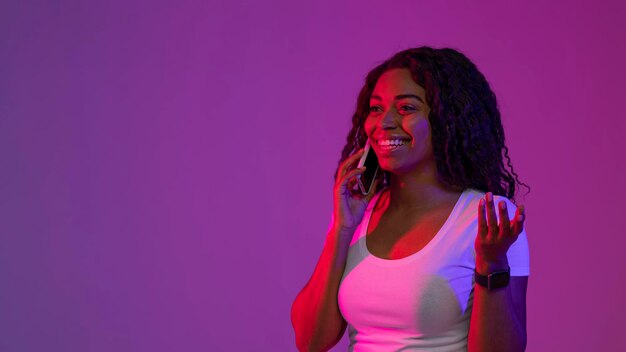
column 387, row 146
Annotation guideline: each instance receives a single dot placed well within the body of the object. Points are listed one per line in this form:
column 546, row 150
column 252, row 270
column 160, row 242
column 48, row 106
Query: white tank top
column 423, row 301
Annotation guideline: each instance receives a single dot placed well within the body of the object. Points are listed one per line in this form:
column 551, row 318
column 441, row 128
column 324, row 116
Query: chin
column 394, row 167
column 403, row 166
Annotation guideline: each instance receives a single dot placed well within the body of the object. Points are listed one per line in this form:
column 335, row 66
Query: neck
column 419, row 190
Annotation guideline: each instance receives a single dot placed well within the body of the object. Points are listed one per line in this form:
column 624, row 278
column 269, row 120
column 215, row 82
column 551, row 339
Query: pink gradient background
column 167, row 166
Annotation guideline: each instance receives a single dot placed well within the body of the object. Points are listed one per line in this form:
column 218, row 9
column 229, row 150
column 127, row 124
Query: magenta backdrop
column 167, row 166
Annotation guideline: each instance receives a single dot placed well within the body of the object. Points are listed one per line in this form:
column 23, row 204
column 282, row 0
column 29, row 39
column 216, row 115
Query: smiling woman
column 436, row 257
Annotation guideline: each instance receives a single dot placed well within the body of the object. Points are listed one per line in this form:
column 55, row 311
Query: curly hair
column 466, row 129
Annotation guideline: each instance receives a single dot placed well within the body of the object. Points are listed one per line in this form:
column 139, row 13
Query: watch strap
column 493, row 280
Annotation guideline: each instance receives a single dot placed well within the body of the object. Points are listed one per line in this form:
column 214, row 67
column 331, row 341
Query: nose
column 388, row 120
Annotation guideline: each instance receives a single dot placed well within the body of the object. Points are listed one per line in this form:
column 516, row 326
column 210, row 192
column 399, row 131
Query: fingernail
column 503, row 205
column 489, row 197
column 482, row 201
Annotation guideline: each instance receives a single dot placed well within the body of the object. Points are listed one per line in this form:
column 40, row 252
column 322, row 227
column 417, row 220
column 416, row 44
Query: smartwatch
column 494, row 280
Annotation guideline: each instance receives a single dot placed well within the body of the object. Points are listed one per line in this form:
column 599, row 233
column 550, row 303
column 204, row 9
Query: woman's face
column 397, row 126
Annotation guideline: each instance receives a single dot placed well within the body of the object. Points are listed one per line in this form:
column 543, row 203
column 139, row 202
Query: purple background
column 167, row 166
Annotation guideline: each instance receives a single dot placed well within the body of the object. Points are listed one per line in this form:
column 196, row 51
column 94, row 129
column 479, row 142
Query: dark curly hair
column 466, row 129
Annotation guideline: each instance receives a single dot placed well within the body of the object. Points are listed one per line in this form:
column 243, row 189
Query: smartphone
column 370, row 161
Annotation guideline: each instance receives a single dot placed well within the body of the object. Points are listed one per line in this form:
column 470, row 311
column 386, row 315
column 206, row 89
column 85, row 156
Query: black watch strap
column 496, row 279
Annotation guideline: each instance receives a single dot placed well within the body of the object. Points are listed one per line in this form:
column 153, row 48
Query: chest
column 396, row 236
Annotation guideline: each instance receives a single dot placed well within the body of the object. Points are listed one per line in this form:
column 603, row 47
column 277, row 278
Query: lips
column 384, row 150
column 391, row 137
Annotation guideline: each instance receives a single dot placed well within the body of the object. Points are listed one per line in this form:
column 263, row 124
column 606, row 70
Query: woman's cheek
column 368, row 126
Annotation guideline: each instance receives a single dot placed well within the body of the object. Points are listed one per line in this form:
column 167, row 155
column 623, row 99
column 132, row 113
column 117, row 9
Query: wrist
column 485, row 267
column 342, row 236
column 343, row 231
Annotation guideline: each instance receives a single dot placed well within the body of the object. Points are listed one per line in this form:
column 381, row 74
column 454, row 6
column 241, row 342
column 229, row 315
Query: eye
column 377, row 108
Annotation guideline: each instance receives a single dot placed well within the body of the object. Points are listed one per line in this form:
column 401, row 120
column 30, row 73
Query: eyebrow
column 401, row 96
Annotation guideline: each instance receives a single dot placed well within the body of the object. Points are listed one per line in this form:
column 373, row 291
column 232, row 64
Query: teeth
column 396, row 142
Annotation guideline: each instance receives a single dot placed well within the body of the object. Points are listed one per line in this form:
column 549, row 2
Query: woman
column 435, row 258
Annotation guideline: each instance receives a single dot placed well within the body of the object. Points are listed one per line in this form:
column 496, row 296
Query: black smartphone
column 370, row 161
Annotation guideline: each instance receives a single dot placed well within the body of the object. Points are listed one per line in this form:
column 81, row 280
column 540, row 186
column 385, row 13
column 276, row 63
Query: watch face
column 499, row 279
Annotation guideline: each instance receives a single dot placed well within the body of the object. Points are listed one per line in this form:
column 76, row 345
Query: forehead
column 397, row 81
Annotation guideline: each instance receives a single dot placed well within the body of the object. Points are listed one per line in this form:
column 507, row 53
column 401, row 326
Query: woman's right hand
column 349, row 209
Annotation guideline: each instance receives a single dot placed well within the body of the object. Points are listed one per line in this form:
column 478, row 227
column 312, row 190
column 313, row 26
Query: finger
column 482, row 222
column 344, row 183
column 350, row 176
column 518, row 222
column 505, row 224
column 352, row 183
column 349, row 161
column 492, row 221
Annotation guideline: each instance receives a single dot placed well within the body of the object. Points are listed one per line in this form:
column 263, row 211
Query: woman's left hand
column 493, row 240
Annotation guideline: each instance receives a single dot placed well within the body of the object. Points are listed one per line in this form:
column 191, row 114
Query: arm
column 498, row 321
column 315, row 315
